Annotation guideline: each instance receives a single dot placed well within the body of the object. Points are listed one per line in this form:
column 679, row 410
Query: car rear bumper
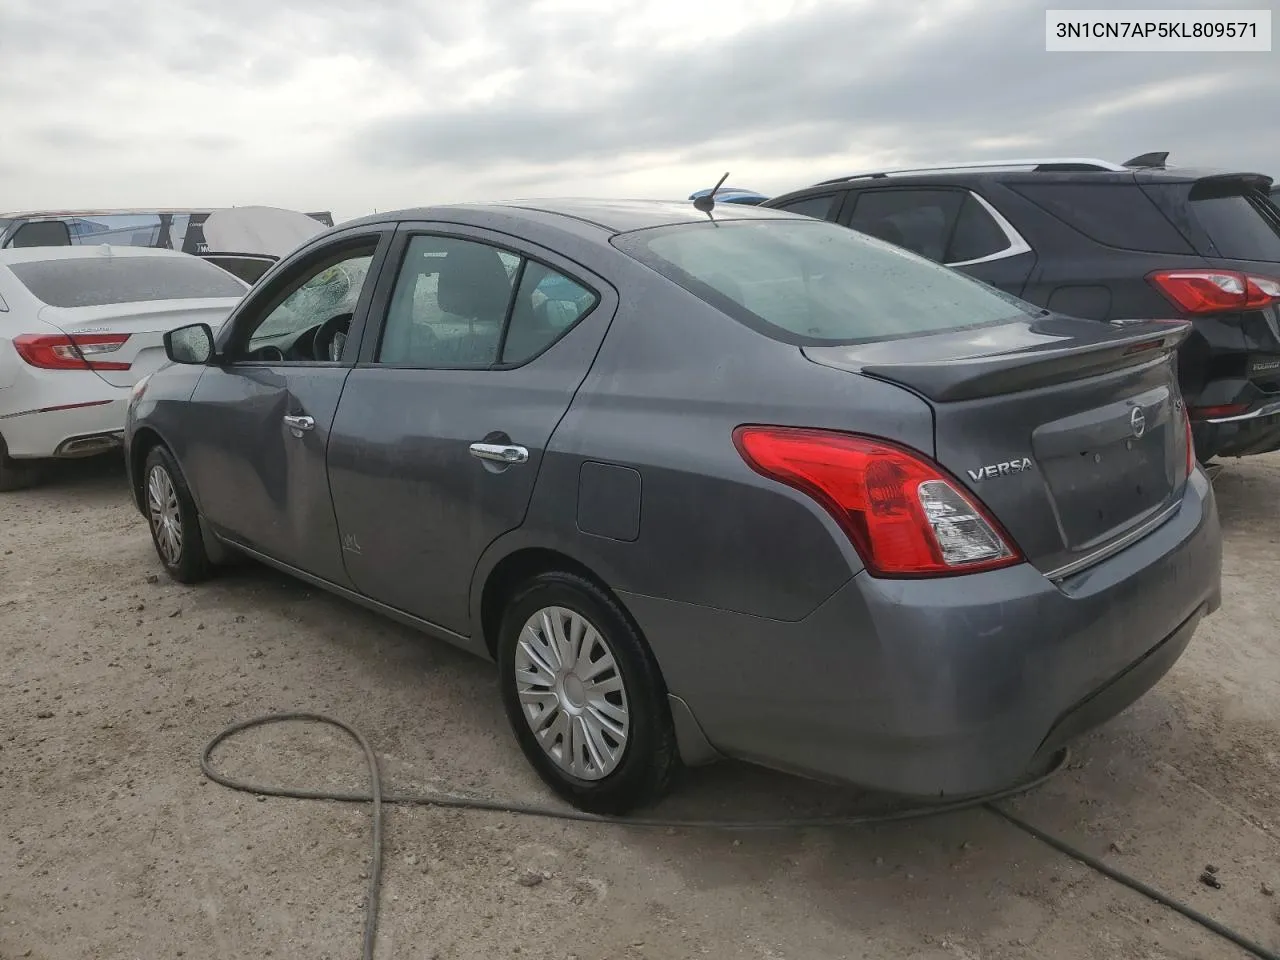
column 81, row 423
column 1256, row 430
column 943, row 687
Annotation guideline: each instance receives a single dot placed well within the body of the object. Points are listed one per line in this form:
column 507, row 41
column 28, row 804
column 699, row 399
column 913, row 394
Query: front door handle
column 500, row 452
column 300, row 423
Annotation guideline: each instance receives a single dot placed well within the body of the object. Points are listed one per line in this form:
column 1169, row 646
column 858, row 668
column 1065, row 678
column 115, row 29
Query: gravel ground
column 113, row 845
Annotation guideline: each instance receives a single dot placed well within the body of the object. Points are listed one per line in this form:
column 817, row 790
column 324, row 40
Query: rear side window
column 817, row 207
column 817, row 283
column 920, row 220
column 91, row 282
column 976, row 234
column 1240, row 226
column 1117, row 215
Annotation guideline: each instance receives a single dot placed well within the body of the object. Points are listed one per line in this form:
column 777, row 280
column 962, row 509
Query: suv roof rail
column 1045, row 164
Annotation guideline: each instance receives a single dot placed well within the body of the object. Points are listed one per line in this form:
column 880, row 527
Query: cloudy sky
column 357, row 105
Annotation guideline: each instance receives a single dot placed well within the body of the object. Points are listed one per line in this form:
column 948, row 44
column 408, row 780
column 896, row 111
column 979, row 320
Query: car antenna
column 707, row 203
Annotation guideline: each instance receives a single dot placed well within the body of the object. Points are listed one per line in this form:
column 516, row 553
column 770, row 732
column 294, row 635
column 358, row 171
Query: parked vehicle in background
column 1106, row 241
column 169, row 229
column 78, row 327
column 728, row 483
column 731, row 195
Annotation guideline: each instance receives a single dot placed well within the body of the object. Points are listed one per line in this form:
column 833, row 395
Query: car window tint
column 976, row 234
column 816, row 207
column 920, row 220
column 326, row 292
column 547, row 304
column 1240, row 227
column 449, row 304
column 1118, row 215
column 95, row 281
column 815, row 282
column 122, row 230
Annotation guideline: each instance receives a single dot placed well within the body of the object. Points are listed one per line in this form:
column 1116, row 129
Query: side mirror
column 190, row 344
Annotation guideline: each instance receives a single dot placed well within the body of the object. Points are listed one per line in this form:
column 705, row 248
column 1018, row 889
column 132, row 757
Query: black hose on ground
column 377, row 798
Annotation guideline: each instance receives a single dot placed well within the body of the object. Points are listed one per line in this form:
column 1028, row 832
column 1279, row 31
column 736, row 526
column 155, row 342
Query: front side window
column 460, row 304
column 95, row 281
column 814, row 282
column 317, row 304
column 817, row 207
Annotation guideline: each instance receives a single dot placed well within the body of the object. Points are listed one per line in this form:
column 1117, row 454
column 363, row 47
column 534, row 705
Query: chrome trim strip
column 1130, row 538
column 1019, row 164
column 1266, row 410
column 1017, row 246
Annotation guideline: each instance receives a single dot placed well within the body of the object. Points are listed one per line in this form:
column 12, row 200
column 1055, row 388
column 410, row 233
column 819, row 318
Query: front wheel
column 172, row 517
column 584, row 696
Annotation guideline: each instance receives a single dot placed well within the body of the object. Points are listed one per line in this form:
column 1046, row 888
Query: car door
column 440, row 433
column 261, row 416
column 949, row 225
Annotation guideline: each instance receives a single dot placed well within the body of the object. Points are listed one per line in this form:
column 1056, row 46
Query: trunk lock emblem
column 1138, row 421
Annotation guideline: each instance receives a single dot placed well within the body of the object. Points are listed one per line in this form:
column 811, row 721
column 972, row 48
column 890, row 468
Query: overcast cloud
column 354, row 106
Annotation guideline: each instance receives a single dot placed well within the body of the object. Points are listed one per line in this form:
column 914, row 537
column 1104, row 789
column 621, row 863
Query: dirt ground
column 112, row 845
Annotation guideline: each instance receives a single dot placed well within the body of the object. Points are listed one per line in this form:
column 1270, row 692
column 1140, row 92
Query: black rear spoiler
column 989, row 361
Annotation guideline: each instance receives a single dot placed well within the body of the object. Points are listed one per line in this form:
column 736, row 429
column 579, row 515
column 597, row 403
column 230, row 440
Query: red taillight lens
column 82, row 352
column 1216, row 291
column 904, row 516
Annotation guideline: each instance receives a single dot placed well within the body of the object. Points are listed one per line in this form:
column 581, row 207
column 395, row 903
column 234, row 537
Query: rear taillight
column 903, row 514
column 1216, row 291
column 81, row 352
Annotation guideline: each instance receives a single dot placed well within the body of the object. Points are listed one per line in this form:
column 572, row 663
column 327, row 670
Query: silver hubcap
column 162, row 506
column 571, row 693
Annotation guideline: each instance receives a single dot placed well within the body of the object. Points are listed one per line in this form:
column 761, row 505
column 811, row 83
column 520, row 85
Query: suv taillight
column 58, row 352
column 1216, row 291
column 903, row 514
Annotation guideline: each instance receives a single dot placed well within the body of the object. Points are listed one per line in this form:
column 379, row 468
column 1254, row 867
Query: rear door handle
column 300, row 423
column 500, row 452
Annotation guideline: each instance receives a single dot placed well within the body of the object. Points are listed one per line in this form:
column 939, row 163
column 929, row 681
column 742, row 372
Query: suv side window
column 1117, row 215
column 463, row 304
column 816, row 207
column 919, row 220
column 976, row 234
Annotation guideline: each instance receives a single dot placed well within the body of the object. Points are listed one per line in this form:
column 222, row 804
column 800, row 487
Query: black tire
column 190, row 562
column 16, row 474
column 648, row 757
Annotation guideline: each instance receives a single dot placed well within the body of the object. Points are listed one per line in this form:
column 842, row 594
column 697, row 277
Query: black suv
column 1106, row 241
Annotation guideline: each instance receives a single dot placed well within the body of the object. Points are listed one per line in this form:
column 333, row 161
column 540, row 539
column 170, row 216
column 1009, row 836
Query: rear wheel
column 172, row 517
column 584, row 695
column 16, row 474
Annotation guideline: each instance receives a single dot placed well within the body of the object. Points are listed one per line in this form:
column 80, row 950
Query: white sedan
column 79, row 326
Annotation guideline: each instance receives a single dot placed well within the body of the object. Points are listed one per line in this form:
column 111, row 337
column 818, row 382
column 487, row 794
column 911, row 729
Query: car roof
column 9, row 255
column 608, row 216
column 1024, row 171
column 106, row 212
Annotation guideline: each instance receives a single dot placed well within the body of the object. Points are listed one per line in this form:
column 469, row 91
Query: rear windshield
column 92, row 282
column 1241, row 226
column 808, row 281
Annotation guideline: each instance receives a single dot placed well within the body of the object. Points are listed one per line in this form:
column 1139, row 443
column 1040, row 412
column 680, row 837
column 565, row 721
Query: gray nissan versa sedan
column 738, row 483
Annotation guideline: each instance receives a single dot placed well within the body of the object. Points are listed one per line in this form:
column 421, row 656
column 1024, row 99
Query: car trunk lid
column 1071, row 432
column 143, row 324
